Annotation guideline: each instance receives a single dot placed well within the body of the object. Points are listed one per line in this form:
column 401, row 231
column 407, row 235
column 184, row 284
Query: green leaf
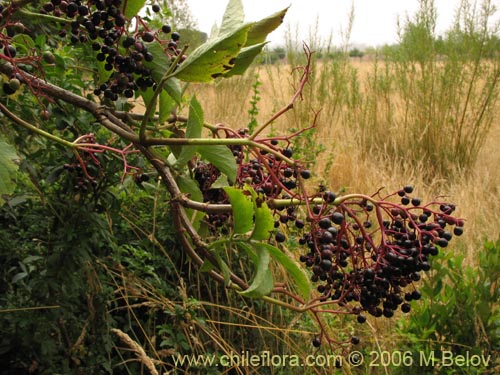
column 264, row 220
column 244, row 59
column 262, row 281
column 159, row 67
column 189, row 186
column 264, row 223
column 8, row 168
column 220, row 182
column 224, row 268
column 213, row 58
column 166, row 106
column 242, row 210
column 207, row 266
column 132, row 7
column 233, row 17
column 297, row 274
column 173, row 88
column 193, row 130
column 222, row 157
column 260, row 29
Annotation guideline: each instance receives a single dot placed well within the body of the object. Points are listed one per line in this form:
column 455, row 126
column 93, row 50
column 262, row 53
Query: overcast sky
column 375, row 21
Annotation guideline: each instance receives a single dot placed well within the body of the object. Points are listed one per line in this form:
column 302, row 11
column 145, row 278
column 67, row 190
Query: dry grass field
column 337, row 146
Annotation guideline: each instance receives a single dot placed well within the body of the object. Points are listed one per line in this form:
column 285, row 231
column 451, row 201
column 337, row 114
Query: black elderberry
column 166, row 29
column 442, row 242
column 288, row 172
column 7, row 89
column 156, row 8
column 333, row 230
column 148, row 37
column 446, row 235
column 10, row 51
column 416, row 295
column 299, row 224
column 325, row 223
column 280, row 237
column 329, row 196
column 175, row 36
column 316, row 342
column 361, row 318
column 416, row 201
column 305, row 174
column 408, row 189
column 337, row 218
column 406, row 308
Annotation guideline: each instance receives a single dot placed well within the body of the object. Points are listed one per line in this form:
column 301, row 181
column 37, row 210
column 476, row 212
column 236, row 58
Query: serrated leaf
column 260, row 29
column 222, row 157
column 296, row 273
column 233, row 17
column 194, row 128
column 262, row 281
column 213, row 58
column 8, row 168
column 132, row 7
column 242, row 210
column 244, row 59
column 264, row 222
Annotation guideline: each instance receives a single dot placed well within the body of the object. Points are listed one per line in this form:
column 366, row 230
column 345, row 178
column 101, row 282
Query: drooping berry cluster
column 366, row 255
column 124, row 54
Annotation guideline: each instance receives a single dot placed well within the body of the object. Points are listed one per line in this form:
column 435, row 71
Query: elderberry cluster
column 124, row 54
column 266, row 172
column 366, row 257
